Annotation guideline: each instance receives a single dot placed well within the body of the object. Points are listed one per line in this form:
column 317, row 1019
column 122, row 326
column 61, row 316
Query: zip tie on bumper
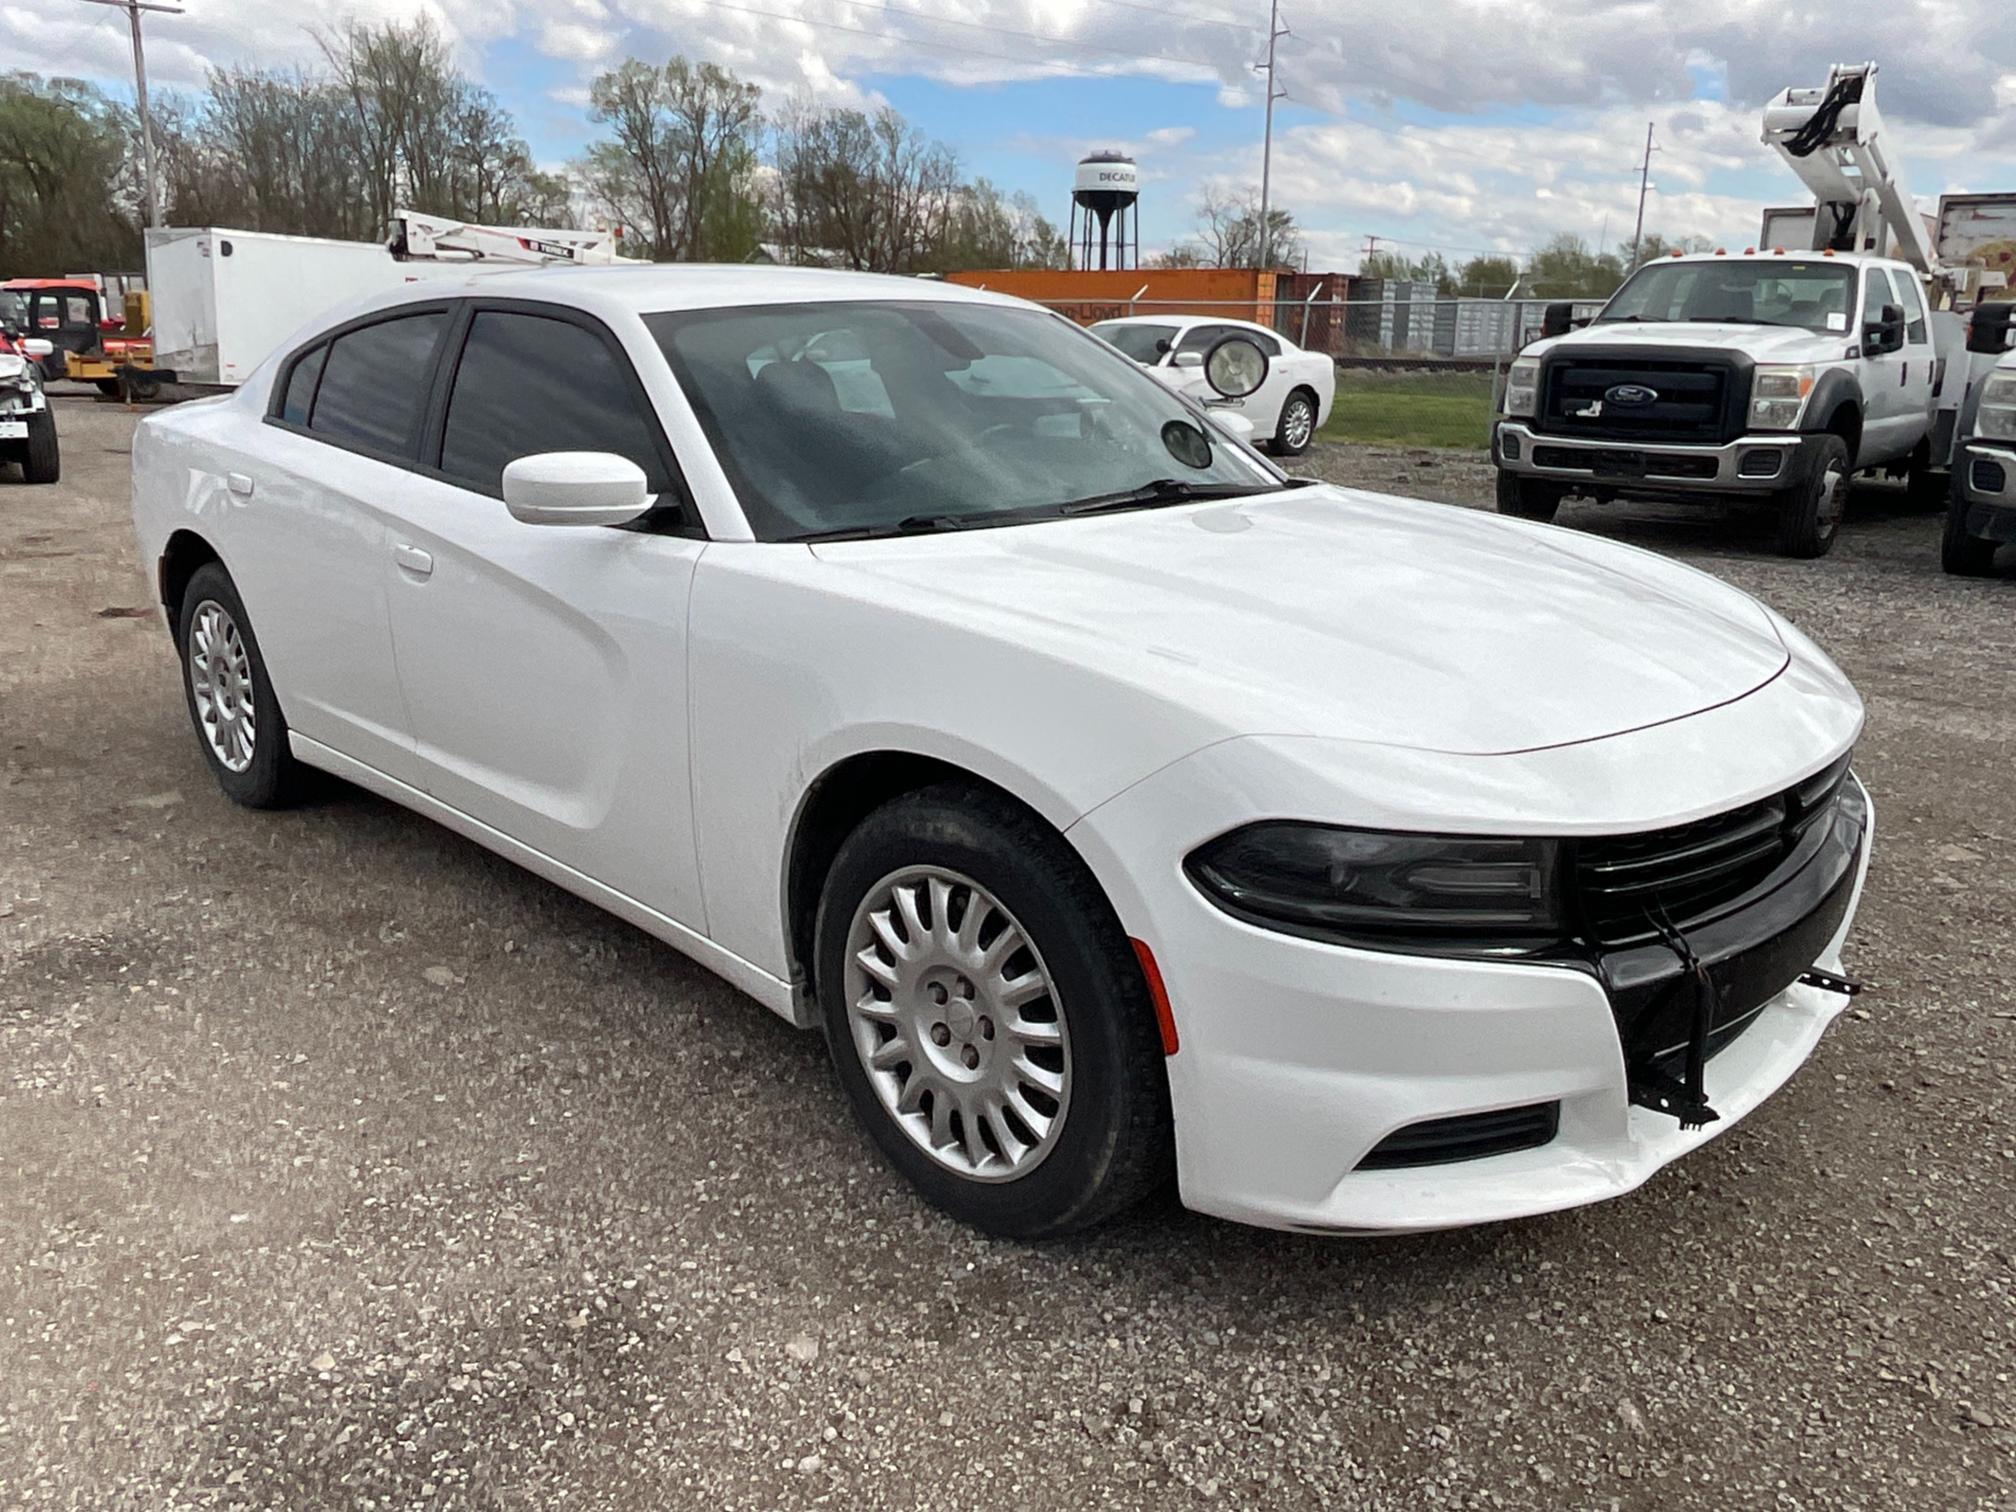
column 1650, row 1087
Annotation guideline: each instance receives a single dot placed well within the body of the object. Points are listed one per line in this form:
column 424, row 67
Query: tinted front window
column 993, row 414
column 374, row 383
column 1776, row 291
column 300, row 396
column 1144, row 343
column 528, row 384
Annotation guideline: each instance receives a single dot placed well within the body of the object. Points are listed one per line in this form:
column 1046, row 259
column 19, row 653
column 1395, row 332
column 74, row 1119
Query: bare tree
column 1228, row 230
column 680, row 160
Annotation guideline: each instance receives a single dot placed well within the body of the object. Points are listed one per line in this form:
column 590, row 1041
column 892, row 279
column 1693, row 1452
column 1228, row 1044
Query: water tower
column 1106, row 188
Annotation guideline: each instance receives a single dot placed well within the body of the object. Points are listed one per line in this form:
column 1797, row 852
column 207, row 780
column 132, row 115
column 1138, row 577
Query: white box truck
column 223, row 299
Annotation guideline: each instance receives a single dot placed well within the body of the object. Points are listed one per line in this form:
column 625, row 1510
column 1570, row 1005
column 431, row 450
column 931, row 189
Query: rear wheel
column 109, row 387
column 1810, row 512
column 231, row 701
column 1529, row 498
column 1961, row 553
column 987, row 1017
column 1297, row 426
column 41, row 460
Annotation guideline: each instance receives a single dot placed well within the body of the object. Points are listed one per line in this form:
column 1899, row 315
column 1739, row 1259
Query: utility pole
column 1371, row 250
column 1275, row 32
column 150, row 186
column 1644, row 183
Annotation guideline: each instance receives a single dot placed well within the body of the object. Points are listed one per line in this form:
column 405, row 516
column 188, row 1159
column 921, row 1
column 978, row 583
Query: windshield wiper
column 1162, row 491
column 918, row 524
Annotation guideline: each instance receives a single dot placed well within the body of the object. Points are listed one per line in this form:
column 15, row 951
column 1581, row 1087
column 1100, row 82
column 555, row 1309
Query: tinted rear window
column 300, row 396
column 374, row 383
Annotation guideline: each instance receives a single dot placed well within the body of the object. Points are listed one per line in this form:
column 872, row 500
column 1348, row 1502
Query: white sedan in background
column 1287, row 410
column 1120, row 809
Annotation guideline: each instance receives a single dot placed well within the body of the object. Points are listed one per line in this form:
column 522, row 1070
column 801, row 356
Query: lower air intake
column 1468, row 1136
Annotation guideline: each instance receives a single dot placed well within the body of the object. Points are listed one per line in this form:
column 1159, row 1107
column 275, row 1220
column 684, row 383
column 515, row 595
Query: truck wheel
column 1529, row 498
column 109, row 387
column 40, row 460
column 1809, row 513
column 1962, row 554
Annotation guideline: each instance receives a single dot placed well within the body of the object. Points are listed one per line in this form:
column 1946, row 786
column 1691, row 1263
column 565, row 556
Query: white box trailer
column 224, row 299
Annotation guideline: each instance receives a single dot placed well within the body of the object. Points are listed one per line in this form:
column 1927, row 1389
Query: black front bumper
column 1751, row 953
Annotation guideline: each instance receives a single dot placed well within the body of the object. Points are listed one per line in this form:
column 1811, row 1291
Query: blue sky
column 1460, row 125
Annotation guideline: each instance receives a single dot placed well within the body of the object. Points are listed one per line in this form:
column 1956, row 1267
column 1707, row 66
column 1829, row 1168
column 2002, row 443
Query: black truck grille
column 1690, row 872
column 1602, row 398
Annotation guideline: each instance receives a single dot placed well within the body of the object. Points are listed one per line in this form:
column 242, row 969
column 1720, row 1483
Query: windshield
column 1144, row 343
column 1815, row 296
column 865, row 418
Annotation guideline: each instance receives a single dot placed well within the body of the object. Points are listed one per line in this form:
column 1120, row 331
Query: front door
column 545, row 665
column 1888, row 423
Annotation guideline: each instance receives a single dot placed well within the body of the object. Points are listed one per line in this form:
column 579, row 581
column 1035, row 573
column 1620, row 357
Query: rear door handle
column 239, row 484
column 412, row 559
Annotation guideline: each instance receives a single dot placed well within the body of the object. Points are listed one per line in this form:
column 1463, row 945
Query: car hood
column 1331, row 612
column 1765, row 343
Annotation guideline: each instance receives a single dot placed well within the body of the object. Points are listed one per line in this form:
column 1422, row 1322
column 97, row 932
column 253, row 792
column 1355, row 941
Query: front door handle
column 412, row 559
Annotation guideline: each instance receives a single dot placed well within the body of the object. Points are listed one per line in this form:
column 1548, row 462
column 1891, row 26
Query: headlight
column 1432, row 893
column 1522, row 388
column 1778, row 396
column 1996, row 420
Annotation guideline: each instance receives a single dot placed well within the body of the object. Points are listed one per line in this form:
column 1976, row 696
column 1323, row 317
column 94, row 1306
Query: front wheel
column 987, row 1018
column 1529, row 498
column 1810, row 512
column 1961, row 553
column 231, row 701
column 41, row 459
column 1297, row 426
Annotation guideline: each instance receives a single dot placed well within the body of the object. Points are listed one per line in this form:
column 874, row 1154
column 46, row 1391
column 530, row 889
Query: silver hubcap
column 957, row 1024
column 1299, row 424
column 1833, row 500
column 220, row 675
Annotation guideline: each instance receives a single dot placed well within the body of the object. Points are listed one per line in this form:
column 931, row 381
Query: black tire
column 1529, row 498
column 41, row 458
column 1115, row 1143
column 1962, row 554
column 1303, row 403
column 1810, row 512
column 109, row 387
column 144, row 389
column 272, row 778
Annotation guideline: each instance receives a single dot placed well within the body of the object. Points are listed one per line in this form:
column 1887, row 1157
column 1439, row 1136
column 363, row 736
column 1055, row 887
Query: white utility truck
column 1776, row 375
column 224, row 299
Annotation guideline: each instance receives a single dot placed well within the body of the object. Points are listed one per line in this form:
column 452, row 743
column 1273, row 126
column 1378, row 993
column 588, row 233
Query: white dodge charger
column 1286, row 410
column 1119, row 809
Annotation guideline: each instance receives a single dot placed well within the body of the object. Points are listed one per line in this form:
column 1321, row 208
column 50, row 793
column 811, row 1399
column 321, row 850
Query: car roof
column 1188, row 320
column 654, row 288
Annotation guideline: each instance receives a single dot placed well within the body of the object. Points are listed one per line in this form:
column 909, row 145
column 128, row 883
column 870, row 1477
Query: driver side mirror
column 38, row 348
column 1885, row 333
column 575, row 488
column 1192, row 359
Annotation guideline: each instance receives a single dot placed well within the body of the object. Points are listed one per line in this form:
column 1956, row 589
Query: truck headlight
column 1778, row 396
column 1996, row 420
column 1522, row 389
column 1441, row 894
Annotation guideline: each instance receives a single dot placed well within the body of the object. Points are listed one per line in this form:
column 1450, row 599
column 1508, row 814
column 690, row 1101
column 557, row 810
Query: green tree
column 1566, row 269
column 1489, row 276
column 67, row 192
column 680, row 160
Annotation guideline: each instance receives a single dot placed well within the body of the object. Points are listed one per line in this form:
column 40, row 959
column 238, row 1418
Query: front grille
column 1693, row 399
column 1468, row 1136
column 1691, row 872
column 1607, row 462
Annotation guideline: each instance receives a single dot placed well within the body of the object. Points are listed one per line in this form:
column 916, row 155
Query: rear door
column 309, row 550
column 546, row 665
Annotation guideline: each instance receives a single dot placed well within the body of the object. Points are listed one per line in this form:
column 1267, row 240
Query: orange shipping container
column 1088, row 295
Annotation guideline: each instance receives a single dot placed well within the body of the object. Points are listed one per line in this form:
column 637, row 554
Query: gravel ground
column 343, row 1164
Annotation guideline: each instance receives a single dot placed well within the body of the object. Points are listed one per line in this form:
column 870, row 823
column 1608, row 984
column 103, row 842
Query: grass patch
column 1411, row 409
